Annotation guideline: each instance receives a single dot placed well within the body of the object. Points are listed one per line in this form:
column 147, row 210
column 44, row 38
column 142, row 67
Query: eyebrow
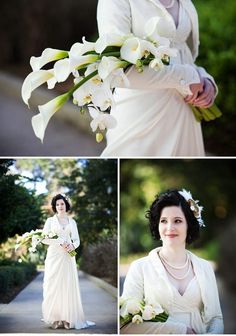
column 173, row 217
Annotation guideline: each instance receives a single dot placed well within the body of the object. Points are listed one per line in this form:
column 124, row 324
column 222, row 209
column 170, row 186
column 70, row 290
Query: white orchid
column 48, row 55
column 32, row 81
column 148, row 313
column 111, row 39
column 137, row 319
column 156, row 64
column 82, row 95
column 133, row 306
column 117, row 79
column 101, row 120
column 102, row 97
column 40, row 121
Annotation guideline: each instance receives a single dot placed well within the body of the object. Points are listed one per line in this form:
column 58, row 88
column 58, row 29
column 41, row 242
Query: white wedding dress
column 61, row 293
column 152, row 118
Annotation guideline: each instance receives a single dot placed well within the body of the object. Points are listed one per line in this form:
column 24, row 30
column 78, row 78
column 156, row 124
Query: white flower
column 79, row 61
column 156, row 64
column 135, row 48
column 133, row 306
column 137, row 319
column 32, row 81
column 102, row 97
column 109, row 64
column 82, row 95
column 118, row 79
column 101, row 120
column 62, row 70
column 160, row 29
column 158, row 309
column 131, row 50
column 111, row 39
column 148, row 313
column 162, row 51
column 78, row 49
column 40, row 121
column 48, row 55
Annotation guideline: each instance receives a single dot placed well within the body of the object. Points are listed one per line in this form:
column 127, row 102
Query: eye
column 178, row 221
column 163, row 221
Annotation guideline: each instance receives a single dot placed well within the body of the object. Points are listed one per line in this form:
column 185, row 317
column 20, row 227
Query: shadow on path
column 23, row 314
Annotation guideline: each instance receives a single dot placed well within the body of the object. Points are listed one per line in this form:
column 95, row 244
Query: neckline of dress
column 186, row 289
column 163, row 7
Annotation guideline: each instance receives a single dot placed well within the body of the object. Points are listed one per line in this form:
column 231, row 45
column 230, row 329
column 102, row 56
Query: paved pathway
column 62, row 138
column 23, row 314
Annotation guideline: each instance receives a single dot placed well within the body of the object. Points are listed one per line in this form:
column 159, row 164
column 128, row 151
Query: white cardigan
column 52, row 225
column 147, row 279
column 126, row 16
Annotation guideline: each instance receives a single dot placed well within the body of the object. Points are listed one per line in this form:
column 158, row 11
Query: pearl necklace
column 174, row 276
column 171, row 4
column 172, row 266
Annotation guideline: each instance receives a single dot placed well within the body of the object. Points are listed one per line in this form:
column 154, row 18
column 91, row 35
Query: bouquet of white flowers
column 33, row 238
column 97, row 69
column 132, row 310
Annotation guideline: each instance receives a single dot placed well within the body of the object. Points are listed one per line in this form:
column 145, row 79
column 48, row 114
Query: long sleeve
column 115, row 16
column 203, row 73
column 75, row 235
column 134, row 288
column 46, row 231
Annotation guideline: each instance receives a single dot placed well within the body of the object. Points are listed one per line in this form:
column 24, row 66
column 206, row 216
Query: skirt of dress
column 61, row 293
column 153, row 123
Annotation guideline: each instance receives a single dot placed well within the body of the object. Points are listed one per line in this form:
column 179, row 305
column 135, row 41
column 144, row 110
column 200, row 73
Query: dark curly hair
column 172, row 198
column 56, row 198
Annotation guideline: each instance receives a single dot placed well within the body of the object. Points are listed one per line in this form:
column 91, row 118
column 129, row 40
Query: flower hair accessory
column 196, row 209
column 66, row 197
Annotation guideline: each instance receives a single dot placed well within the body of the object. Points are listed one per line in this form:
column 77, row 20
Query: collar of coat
column 203, row 275
column 193, row 40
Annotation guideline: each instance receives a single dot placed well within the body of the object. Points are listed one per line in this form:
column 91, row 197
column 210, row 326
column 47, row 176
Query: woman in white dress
column 62, row 305
column 153, row 114
column 171, row 276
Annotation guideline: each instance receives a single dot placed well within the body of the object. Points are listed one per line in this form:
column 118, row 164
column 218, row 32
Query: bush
column 13, row 274
column 100, row 260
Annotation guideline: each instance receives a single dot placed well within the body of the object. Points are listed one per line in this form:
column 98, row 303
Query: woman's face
column 173, row 226
column 60, row 206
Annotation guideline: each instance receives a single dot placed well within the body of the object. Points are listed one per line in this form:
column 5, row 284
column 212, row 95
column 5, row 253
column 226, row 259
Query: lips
column 171, row 235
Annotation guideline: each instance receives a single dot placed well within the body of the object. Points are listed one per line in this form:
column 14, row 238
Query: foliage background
column 211, row 181
column 27, row 27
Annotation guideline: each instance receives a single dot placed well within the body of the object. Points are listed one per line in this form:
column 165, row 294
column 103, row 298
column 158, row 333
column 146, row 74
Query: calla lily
column 48, row 55
column 101, row 120
column 76, row 62
column 62, row 70
column 131, row 50
column 162, row 51
column 107, row 40
column 78, row 49
column 40, row 121
column 109, row 64
column 32, row 81
column 160, row 29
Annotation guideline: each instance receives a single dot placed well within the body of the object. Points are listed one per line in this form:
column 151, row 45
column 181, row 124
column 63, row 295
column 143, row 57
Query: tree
column 20, row 209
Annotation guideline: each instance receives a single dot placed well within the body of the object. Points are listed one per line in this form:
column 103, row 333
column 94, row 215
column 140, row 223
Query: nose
column 170, row 226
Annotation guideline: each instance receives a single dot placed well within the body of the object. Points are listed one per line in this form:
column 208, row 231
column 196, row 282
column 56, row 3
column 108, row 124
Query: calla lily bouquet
column 97, row 69
column 34, row 238
column 132, row 310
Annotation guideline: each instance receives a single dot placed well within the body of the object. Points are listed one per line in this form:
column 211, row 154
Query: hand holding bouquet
column 33, row 239
column 132, row 310
column 97, row 69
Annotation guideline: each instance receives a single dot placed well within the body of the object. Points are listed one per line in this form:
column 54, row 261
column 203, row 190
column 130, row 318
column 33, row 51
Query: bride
column 171, row 276
column 61, row 294
column 153, row 115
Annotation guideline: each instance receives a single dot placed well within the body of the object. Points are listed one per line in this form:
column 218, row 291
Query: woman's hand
column 68, row 247
column 190, row 331
column 207, row 96
column 196, row 90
